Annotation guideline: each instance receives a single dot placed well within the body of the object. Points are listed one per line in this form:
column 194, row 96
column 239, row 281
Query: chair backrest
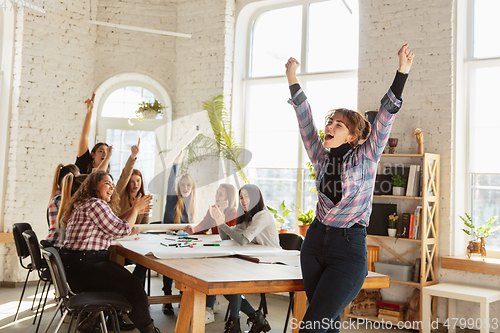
column 21, row 247
column 57, row 271
column 34, row 249
column 290, row 241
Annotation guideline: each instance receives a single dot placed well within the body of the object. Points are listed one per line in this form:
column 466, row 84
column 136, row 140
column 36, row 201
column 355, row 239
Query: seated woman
column 225, row 200
column 91, row 226
column 254, row 224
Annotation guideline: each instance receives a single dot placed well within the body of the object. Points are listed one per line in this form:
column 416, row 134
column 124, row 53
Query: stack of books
column 410, row 226
column 391, row 311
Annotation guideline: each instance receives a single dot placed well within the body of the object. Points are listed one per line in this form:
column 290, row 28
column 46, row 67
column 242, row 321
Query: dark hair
column 94, row 149
column 355, row 122
column 256, row 203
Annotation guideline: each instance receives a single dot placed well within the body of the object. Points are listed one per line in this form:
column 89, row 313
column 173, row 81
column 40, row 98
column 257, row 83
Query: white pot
column 398, row 191
column 391, row 232
column 150, row 115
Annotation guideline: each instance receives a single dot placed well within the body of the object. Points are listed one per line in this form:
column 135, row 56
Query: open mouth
column 328, row 136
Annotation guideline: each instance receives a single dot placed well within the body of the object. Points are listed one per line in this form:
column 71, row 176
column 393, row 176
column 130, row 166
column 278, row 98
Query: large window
column 484, row 114
column 323, row 36
column 119, row 126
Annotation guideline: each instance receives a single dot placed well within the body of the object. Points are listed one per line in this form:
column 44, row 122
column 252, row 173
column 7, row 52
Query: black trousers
column 92, row 271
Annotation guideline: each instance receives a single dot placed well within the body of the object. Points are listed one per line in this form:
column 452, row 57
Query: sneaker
column 209, row 316
column 217, row 307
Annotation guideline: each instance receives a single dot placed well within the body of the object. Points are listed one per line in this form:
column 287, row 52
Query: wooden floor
column 9, row 298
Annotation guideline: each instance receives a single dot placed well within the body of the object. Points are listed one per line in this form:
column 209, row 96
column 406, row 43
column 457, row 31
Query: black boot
column 168, row 309
column 259, row 322
column 232, row 325
column 90, row 324
column 151, row 328
column 124, row 325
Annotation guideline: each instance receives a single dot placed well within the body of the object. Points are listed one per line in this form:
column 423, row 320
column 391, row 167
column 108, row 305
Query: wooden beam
column 474, row 264
column 6, row 237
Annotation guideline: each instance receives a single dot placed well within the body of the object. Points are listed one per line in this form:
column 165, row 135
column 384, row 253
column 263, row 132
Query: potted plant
column 479, row 235
column 392, row 225
column 148, row 110
column 280, row 218
column 398, row 185
column 305, row 219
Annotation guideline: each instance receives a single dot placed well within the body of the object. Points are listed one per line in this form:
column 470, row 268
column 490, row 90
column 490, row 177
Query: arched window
column 323, row 36
column 118, row 125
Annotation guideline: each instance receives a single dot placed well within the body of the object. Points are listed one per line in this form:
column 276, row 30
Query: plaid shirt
column 92, row 226
column 359, row 165
column 52, row 211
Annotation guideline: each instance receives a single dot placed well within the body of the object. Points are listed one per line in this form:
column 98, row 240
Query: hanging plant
column 148, row 110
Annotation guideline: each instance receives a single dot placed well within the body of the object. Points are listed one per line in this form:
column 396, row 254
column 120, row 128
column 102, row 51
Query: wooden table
column 221, row 276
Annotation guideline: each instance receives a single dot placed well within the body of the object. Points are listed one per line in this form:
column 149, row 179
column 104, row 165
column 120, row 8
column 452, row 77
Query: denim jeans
column 238, row 303
column 333, row 262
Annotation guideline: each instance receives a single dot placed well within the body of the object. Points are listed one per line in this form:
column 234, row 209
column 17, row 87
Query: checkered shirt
column 359, row 165
column 52, row 211
column 92, row 226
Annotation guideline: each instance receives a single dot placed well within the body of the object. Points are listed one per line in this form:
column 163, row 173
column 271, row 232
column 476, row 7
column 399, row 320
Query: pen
column 172, row 239
column 167, row 245
column 211, row 244
column 186, row 237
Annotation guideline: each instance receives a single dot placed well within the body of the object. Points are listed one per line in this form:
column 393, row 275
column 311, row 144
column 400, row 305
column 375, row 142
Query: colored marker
column 211, row 244
column 167, row 245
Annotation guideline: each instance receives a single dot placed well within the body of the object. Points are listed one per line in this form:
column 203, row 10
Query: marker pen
column 211, row 244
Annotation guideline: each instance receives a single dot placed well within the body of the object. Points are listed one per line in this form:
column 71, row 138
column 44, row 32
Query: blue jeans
column 333, row 262
column 238, row 303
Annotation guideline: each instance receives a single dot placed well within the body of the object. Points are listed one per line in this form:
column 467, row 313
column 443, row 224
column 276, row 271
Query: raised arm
column 308, row 131
column 83, row 144
column 127, row 170
column 139, row 204
column 390, row 105
column 103, row 166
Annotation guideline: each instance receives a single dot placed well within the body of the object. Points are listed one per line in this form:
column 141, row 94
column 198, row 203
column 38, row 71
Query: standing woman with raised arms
column 333, row 255
column 87, row 161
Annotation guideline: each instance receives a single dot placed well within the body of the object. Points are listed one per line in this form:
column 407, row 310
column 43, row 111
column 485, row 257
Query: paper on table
column 166, row 226
column 156, row 185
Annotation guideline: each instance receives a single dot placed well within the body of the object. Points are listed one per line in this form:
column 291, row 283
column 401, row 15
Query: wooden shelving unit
column 428, row 244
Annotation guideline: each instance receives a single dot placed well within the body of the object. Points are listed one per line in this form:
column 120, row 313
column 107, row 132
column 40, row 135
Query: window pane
column 122, row 140
column 277, row 185
column 486, row 203
column 123, row 102
column 484, row 121
column 276, row 36
column 333, row 36
column 271, row 126
column 486, row 29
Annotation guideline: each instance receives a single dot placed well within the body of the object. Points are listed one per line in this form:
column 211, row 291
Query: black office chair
column 22, row 253
column 41, row 267
column 290, row 241
column 85, row 302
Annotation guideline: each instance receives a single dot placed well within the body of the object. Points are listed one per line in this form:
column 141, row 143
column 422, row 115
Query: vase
column 150, row 115
column 399, row 191
column 282, row 231
column 303, row 229
column 477, row 246
column 391, row 232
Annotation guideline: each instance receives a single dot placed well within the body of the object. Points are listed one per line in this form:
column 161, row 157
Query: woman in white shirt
column 256, row 225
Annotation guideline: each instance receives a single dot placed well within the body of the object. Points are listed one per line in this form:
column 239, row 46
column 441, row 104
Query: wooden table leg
column 192, row 311
column 299, row 309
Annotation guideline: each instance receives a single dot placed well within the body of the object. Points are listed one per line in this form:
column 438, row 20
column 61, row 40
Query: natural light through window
column 123, row 102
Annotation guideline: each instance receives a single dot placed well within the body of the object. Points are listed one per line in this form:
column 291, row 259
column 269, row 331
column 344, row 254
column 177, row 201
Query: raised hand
column 217, row 215
column 141, row 202
column 223, row 205
column 90, row 103
column 291, row 68
column 178, row 158
column 405, row 56
column 135, row 231
column 189, row 229
column 135, row 149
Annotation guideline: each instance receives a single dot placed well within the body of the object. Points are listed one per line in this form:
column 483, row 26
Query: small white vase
column 391, row 232
column 150, row 115
column 400, row 191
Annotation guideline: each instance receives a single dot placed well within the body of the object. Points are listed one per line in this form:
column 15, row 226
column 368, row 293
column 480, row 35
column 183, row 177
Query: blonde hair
column 230, row 194
column 179, row 206
column 89, row 190
column 60, row 172
column 70, row 185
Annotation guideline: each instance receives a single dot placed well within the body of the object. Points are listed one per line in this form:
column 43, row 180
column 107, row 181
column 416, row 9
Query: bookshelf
column 427, row 246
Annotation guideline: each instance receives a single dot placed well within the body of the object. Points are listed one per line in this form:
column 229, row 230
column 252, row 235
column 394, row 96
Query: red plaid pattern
column 92, row 226
column 52, row 215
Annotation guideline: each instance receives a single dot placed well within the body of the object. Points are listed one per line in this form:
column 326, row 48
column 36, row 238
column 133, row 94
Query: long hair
column 89, row 190
column 135, row 172
column 355, row 122
column 179, row 206
column 231, row 196
column 256, row 203
column 61, row 171
column 94, row 149
column 70, row 185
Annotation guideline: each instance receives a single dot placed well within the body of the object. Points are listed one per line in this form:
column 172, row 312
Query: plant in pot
column 305, row 220
column 398, row 185
column 280, row 218
column 392, row 225
column 148, row 110
column 479, row 235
